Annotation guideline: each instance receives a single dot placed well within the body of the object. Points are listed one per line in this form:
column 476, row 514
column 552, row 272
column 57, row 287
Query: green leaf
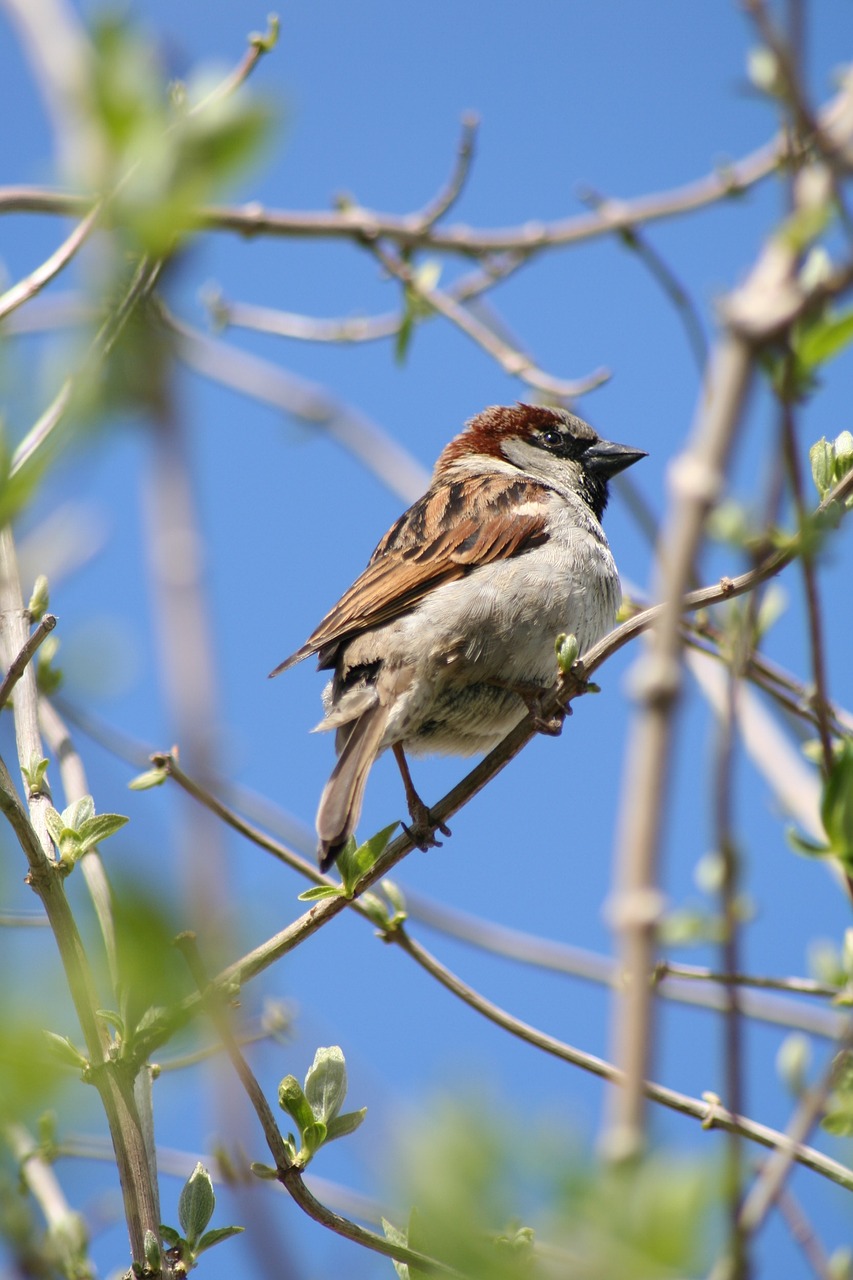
column 376, row 910
column 326, row 1083
column 567, row 649
column 78, row 812
column 320, row 891
column 313, row 1138
column 55, row 825
column 99, row 828
column 34, row 775
column 112, row 1019
column 345, row 1124
column 150, row 778
column 292, row 1100
column 196, row 1204
column 822, row 459
column 63, row 1049
column 263, row 1171
column 39, row 600
column 153, row 1256
column 800, row 844
column 396, row 897
column 836, row 808
column 397, row 1237
column 826, row 338
column 216, row 1236
column 170, row 1236
column 354, row 862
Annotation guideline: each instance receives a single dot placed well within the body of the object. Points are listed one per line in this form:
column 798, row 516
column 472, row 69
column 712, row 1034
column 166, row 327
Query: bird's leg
column 533, row 696
column 424, row 825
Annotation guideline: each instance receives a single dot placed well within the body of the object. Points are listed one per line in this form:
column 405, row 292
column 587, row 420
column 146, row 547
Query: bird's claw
column 424, row 826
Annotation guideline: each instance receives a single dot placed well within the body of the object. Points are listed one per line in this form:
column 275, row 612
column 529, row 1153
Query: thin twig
column 804, row 1235
column 514, row 944
column 813, row 609
column 258, row 45
column 75, row 786
column 771, row 1180
column 349, row 329
column 661, row 271
column 768, row 303
column 799, row 986
column 446, row 198
column 289, row 1175
column 32, row 284
column 590, row 966
column 307, row 401
column 212, row 1000
column 711, row 1113
column 510, row 359
column 28, row 651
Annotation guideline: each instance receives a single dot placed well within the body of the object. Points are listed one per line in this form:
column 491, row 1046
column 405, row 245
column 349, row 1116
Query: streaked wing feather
column 440, row 539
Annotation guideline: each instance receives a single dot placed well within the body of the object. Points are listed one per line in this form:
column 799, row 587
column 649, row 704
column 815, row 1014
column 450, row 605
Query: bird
column 446, row 640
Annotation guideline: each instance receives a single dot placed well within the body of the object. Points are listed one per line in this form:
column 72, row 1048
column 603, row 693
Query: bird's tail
column 340, row 803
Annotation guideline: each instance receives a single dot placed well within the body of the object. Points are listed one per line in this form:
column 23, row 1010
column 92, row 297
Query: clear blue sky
column 626, row 98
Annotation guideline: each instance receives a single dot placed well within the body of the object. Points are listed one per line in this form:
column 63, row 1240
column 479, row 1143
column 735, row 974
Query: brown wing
column 452, row 529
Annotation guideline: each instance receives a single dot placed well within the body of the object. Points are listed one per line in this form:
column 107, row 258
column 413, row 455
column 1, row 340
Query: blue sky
column 627, row 99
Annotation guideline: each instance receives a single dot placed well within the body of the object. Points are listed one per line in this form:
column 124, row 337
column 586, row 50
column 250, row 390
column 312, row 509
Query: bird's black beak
column 606, row 459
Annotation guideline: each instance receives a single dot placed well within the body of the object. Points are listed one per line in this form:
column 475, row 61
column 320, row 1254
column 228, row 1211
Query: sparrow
column 446, row 640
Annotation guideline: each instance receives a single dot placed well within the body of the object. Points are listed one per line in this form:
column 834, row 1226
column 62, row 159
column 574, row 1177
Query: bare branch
column 51, row 267
column 26, row 654
column 711, row 1113
column 511, row 360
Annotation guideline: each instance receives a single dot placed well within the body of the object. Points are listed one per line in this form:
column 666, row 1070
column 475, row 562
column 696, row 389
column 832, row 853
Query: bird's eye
column 552, row 439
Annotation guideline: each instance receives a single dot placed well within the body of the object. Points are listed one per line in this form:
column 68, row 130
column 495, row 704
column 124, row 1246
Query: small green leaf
column 326, row 1083
column 63, row 1049
column 354, row 862
column 55, row 825
column 810, row 848
column 34, row 775
column 567, row 649
column 170, row 1237
column 376, row 910
column 196, row 1204
column 826, row 338
column 78, row 812
column 112, row 1019
column 344, row 1124
column 822, row 459
column 263, row 1171
column 836, row 808
column 793, row 1060
column 150, row 778
column 400, row 1238
column 265, row 42
column 396, row 897
column 216, row 1236
column 99, row 828
column 153, row 1256
column 39, row 600
column 320, row 891
column 313, row 1138
column 292, row 1100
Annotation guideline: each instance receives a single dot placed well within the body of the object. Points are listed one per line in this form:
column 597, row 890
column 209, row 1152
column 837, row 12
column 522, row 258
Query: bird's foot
column 533, row 696
column 424, row 825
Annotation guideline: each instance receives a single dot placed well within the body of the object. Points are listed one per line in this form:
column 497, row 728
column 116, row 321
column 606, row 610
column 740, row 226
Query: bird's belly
column 471, row 639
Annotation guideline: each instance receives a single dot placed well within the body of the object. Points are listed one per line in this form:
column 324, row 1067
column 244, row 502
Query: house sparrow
column 447, row 639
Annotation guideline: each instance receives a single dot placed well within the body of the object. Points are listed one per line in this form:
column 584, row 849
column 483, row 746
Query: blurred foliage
column 464, row 1175
column 162, row 150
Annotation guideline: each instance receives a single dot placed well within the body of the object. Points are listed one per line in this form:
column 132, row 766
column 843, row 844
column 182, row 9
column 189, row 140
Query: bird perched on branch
column 446, row 640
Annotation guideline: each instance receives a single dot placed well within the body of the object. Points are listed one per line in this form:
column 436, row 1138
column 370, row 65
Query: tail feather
column 340, row 803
